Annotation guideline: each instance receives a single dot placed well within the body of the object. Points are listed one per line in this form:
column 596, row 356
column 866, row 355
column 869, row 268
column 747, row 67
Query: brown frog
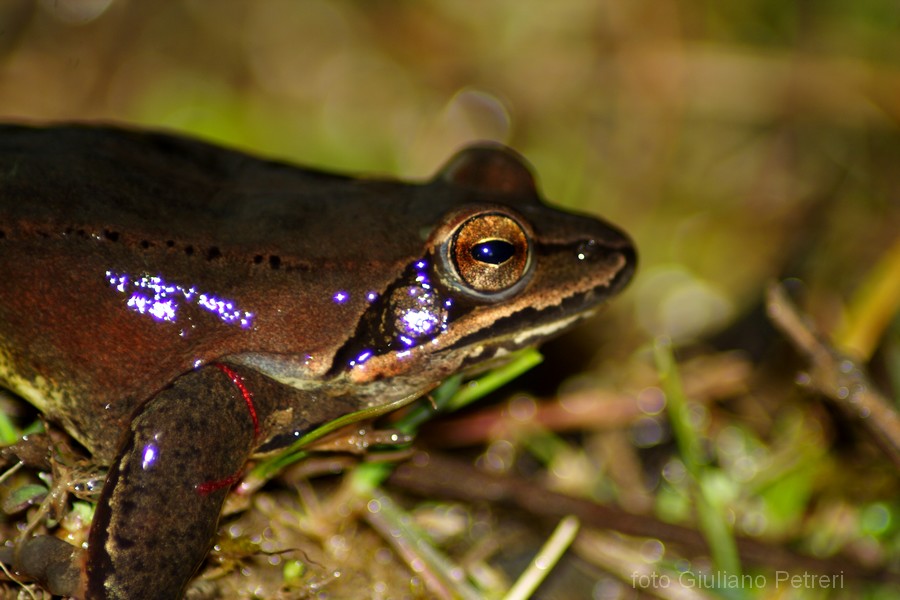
column 179, row 307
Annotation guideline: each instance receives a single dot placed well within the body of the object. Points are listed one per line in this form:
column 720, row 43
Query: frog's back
column 156, row 185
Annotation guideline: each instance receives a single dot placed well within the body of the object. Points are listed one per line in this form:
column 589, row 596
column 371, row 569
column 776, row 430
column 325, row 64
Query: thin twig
column 837, row 376
column 544, row 561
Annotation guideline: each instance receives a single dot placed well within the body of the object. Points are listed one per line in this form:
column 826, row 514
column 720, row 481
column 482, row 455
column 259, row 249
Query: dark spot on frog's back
column 129, row 506
column 112, row 236
column 213, row 253
column 123, row 542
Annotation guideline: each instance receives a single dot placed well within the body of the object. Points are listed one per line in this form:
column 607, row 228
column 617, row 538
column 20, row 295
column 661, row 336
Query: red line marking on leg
column 238, row 381
column 209, row 487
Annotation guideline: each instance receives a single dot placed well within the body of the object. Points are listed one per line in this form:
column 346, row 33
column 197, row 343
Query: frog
column 180, row 308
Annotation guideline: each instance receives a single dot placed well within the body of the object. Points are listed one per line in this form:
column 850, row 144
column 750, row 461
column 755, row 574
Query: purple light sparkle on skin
column 160, row 300
column 149, row 456
column 420, row 311
column 163, row 311
column 363, row 357
column 411, row 312
column 420, row 322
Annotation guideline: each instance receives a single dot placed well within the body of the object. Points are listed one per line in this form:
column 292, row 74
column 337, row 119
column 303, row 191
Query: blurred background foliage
column 737, row 142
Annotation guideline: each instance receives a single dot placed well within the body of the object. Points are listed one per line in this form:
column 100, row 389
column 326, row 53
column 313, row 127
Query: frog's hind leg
column 160, row 505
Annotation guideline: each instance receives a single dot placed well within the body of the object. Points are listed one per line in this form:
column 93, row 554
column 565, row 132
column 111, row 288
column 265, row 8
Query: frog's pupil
column 495, row 252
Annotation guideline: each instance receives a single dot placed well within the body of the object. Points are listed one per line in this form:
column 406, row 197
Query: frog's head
column 500, row 271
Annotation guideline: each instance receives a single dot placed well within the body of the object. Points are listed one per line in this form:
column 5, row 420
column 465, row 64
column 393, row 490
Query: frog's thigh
column 161, row 502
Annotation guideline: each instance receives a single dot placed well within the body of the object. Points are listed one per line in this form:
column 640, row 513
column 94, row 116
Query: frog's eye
column 490, row 254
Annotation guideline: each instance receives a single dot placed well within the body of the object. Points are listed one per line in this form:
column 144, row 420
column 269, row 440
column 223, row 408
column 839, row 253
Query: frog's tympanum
column 178, row 308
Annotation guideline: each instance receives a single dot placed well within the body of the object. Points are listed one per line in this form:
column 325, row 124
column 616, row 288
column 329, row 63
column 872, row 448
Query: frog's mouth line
column 523, row 329
column 498, row 347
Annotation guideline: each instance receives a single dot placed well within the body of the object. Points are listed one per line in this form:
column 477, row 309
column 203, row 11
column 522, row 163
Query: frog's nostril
column 587, row 250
